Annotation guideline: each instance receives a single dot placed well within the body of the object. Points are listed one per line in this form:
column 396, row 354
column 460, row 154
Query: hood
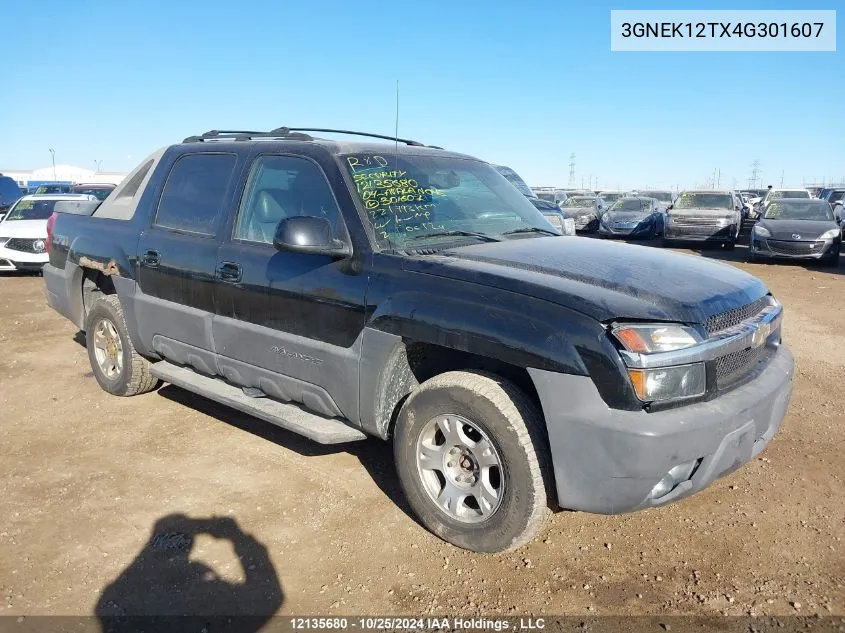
column 626, row 216
column 809, row 230
column 23, row 228
column 604, row 280
column 544, row 205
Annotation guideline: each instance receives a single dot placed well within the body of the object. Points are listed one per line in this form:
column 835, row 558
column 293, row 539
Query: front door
column 177, row 257
column 288, row 323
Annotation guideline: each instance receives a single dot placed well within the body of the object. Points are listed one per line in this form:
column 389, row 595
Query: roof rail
column 292, row 133
column 246, row 135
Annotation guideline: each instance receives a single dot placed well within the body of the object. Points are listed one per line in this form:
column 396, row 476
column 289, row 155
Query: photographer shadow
column 164, row 588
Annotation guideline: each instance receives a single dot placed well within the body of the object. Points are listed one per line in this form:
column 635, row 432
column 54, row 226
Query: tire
column 131, row 372
column 729, row 246
column 830, row 262
column 515, row 433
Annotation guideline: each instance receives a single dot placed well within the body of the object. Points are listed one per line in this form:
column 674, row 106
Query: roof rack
column 292, row 133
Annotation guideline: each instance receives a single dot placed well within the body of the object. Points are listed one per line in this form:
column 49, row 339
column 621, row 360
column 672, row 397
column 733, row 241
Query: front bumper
column 11, row 259
column 781, row 249
column 648, row 229
column 609, row 461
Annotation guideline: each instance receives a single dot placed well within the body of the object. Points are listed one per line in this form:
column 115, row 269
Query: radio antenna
column 396, row 127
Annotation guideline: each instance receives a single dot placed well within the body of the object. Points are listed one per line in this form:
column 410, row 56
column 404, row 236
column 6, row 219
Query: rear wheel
column 472, row 459
column 116, row 364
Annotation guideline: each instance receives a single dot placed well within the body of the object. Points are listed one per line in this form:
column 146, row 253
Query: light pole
column 98, row 163
column 53, row 156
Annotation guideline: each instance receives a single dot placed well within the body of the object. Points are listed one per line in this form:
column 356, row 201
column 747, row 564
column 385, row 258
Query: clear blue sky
column 524, row 84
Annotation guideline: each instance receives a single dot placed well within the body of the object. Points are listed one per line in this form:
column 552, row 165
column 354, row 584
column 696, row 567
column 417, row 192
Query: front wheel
column 472, row 459
column 116, row 364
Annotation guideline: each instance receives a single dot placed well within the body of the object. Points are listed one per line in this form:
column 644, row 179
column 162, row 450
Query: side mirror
column 670, row 207
column 311, row 235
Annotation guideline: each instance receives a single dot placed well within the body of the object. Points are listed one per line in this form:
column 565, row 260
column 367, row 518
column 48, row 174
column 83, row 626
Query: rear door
column 177, row 257
column 288, row 323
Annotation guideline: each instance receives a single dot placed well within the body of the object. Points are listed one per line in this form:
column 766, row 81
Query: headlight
column 724, row 221
column 586, row 218
column 761, row 231
column 669, row 383
column 648, row 339
column 829, row 235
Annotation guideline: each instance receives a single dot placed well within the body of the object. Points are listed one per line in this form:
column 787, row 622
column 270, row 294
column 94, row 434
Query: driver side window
column 282, row 187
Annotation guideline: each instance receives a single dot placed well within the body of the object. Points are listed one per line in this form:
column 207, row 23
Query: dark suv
column 9, row 193
column 350, row 289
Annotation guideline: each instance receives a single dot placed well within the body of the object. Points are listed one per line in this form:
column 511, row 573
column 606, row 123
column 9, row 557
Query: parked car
column 100, row 190
column 609, row 197
column 832, row 195
column 550, row 210
column 797, row 229
column 585, row 211
column 9, row 194
column 664, row 197
column 23, row 231
column 510, row 370
column 632, row 217
column 704, row 216
column 52, row 188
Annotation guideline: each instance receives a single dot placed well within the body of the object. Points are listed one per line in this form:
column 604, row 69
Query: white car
column 23, row 231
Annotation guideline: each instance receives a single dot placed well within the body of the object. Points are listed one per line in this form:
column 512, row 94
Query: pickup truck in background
column 346, row 289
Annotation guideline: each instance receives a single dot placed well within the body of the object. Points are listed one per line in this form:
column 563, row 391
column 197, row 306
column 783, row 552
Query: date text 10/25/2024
column 417, row 624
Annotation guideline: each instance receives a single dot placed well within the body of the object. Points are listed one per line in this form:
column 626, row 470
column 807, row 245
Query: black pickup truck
column 350, row 289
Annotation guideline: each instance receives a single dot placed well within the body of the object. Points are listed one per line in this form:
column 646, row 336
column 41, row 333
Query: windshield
column 611, row 197
column 836, row 196
column 631, row 204
column 513, row 178
column 663, row 196
column 101, row 193
column 688, row 200
column 548, row 197
column 580, row 202
column 785, row 210
column 413, row 196
column 31, row 210
column 775, row 195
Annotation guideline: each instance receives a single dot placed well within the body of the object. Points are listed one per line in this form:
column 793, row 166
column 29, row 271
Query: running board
column 288, row 416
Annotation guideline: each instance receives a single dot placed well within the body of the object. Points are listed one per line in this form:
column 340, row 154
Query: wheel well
column 94, row 285
column 426, row 360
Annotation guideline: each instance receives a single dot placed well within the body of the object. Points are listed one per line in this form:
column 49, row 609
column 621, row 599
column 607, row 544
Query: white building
column 68, row 174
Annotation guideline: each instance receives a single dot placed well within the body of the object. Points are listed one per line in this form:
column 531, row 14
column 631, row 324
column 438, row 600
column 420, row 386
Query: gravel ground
column 148, row 504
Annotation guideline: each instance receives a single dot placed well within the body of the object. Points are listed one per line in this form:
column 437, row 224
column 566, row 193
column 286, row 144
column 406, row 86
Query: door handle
column 151, row 258
column 230, row 271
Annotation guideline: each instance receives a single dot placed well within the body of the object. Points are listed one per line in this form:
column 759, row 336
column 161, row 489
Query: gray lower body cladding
column 609, row 461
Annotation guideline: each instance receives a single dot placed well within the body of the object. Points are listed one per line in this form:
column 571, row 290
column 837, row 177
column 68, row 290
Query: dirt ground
column 120, row 505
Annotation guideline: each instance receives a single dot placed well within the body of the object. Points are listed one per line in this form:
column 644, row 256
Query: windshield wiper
column 481, row 236
column 530, row 229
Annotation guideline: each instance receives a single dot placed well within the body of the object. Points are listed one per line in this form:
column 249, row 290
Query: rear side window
column 195, row 192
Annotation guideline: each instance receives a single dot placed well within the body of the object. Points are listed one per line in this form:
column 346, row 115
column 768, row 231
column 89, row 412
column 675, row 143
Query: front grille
column 732, row 368
column 23, row 245
column 706, row 231
column 691, row 220
column 795, row 248
column 732, row 318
